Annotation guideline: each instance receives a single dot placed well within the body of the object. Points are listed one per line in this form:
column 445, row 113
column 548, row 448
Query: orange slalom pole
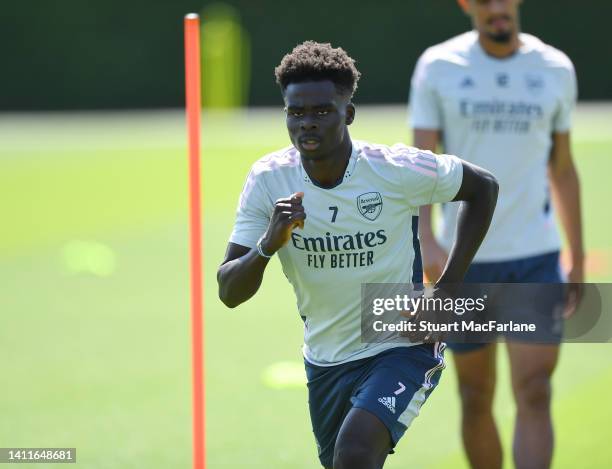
column 193, row 103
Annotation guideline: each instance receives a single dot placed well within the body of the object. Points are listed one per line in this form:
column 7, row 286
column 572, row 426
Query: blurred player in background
column 356, row 207
column 503, row 99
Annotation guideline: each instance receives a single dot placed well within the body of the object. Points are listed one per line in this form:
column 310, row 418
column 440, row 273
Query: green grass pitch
column 100, row 359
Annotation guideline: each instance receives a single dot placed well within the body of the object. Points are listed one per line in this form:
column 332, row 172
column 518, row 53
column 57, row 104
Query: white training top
column 499, row 114
column 364, row 230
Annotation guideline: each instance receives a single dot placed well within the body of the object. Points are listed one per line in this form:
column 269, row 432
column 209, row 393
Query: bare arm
column 240, row 274
column 478, row 191
column 565, row 187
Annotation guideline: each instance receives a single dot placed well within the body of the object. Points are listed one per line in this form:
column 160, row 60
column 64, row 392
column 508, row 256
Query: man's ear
column 350, row 113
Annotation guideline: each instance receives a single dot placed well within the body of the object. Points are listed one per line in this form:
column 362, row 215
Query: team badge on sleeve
column 370, row 205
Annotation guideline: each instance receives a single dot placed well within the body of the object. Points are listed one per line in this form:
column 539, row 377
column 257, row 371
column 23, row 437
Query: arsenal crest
column 535, row 83
column 370, row 205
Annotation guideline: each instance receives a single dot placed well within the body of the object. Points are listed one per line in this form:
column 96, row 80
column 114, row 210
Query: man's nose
column 308, row 123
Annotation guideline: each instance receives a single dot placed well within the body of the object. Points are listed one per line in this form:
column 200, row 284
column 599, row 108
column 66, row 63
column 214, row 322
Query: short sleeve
column 425, row 110
column 569, row 93
column 450, row 177
column 431, row 178
column 253, row 213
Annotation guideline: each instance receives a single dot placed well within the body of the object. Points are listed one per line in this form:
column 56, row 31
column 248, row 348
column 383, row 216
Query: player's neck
column 328, row 171
column 499, row 50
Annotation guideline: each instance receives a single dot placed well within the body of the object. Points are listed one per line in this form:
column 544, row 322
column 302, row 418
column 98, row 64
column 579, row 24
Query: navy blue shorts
column 544, row 268
column 392, row 385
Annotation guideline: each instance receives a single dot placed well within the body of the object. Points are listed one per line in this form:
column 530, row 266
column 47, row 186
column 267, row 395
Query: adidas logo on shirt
column 388, row 402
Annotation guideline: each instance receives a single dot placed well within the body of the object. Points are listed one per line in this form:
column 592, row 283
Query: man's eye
column 296, row 113
column 322, row 113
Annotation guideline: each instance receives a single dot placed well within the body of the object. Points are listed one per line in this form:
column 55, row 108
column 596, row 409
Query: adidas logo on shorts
column 388, row 402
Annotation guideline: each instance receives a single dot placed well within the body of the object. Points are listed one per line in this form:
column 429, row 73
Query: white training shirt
column 499, row 114
column 364, row 230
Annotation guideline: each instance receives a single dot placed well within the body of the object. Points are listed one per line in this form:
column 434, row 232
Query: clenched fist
column 288, row 214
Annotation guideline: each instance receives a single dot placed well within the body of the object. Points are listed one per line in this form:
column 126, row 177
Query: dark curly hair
column 315, row 61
